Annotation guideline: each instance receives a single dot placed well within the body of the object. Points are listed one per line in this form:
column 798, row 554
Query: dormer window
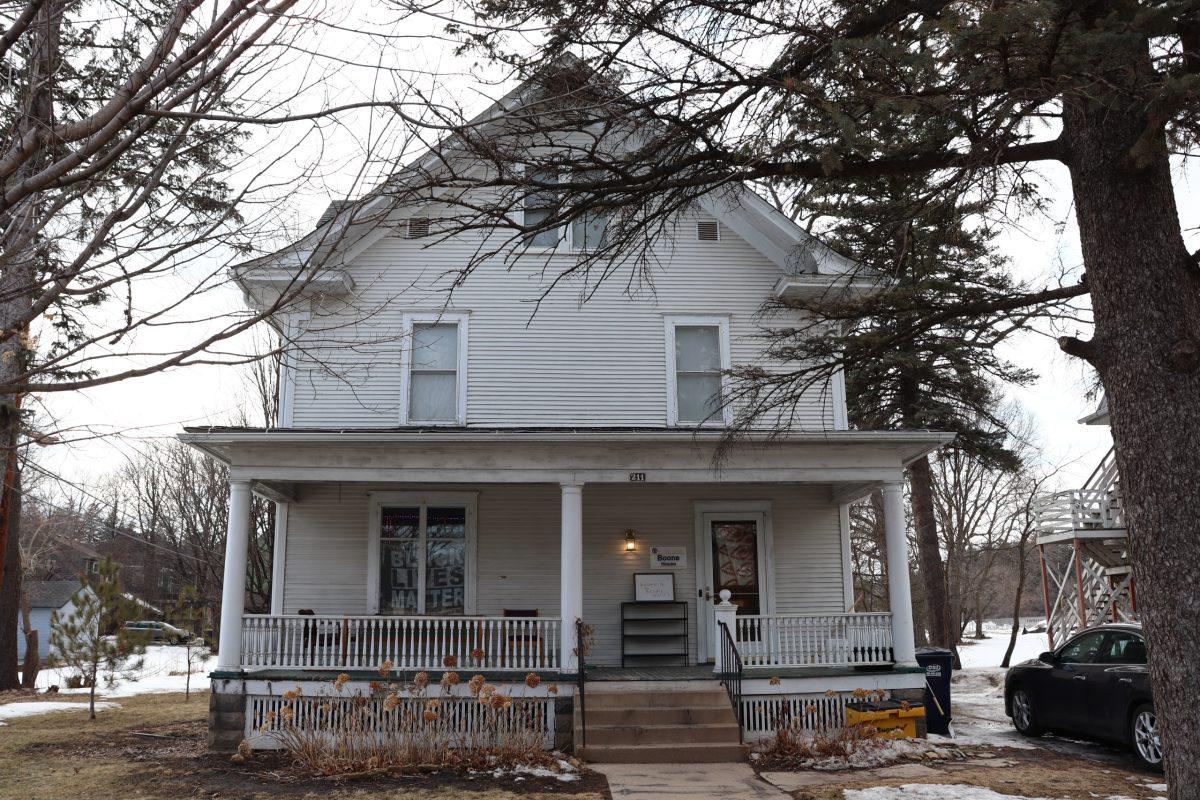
column 435, row 390
column 697, row 357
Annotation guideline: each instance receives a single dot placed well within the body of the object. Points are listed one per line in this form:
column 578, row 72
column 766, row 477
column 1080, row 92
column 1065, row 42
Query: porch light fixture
column 630, row 541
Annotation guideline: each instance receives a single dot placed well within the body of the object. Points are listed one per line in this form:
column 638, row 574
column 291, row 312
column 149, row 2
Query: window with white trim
column 541, row 205
column 435, row 386
column 585, row 232
column 421, row 558
column 698, row 355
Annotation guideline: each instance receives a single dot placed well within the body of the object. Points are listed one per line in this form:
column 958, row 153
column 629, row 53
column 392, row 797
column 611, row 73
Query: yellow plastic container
column 890, row 719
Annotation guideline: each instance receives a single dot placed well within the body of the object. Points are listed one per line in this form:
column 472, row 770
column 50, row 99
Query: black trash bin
column 937, row 664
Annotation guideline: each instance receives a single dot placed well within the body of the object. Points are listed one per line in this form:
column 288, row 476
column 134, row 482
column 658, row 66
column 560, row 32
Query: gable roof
column 51, row 594
column 780, row 239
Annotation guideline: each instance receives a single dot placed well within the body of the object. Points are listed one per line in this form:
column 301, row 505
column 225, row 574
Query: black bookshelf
column 654, row 634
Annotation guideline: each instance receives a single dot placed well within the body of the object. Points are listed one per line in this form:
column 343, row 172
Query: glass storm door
column 735, row 561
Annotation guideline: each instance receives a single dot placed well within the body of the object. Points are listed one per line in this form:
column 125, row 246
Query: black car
column 1097, row 685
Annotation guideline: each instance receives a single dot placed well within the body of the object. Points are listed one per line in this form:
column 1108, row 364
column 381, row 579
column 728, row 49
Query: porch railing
column 814, row 640
column 297, row 641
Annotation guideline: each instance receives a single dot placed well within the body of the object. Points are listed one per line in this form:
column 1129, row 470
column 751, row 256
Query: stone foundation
column 564, row 723
column 226, row 716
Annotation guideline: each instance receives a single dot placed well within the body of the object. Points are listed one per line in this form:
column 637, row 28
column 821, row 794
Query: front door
column 733, row 557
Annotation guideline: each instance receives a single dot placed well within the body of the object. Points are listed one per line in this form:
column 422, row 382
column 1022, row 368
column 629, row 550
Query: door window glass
column 1083, row 650
column 735, row 562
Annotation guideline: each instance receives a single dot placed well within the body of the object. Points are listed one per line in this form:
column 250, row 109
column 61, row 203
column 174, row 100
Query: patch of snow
column 977, row 711
column 163, row 670
column 928, row 791
column 872, row 753
column 1156, row 787
column 36, row 707
column 566, row 772
column 989, row 652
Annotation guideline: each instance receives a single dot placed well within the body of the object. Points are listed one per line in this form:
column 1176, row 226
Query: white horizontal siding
column 599, row 362
column 517, row 562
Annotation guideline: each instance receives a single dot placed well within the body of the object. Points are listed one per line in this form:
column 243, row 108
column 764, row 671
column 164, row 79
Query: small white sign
column 648, row 587
column 668, row 557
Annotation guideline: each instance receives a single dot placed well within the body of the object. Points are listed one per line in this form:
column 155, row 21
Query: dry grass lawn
column 61, row 756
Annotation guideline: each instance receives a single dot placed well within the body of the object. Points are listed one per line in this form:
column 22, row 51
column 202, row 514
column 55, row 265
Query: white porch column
column 904, row 647
column 233, row 587
column 571, row 579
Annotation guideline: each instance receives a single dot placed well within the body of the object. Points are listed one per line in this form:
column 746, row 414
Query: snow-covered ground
column 35, row 707
column 164, row 669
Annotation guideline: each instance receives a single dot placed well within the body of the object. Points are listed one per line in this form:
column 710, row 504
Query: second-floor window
column 436, row 380
column 697, row 354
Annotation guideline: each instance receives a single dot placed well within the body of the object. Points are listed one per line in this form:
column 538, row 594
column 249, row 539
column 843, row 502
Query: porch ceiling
column 850, row 462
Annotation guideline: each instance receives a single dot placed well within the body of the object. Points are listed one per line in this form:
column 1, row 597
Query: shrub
column 409, row 727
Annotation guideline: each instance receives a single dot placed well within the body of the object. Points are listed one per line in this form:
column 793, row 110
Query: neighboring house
column 471, row 481
column 67, row 560
column 45, row 597
column 1087, row 576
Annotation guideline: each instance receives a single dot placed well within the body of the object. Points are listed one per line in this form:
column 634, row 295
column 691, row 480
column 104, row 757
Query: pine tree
column 78, row 639
column 188, row 613
column 930, row 241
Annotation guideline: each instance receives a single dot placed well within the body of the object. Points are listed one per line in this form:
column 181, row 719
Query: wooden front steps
column 687, row 722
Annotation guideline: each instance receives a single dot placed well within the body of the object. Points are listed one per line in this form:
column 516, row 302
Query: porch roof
column 851, row 462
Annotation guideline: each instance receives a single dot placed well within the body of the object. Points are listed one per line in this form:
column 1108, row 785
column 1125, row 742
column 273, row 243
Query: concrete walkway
column 686, row 782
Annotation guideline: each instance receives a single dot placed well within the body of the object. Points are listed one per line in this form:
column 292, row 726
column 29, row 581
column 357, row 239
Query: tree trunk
column 10, row 584
column 33, row 662
column 929, row 554
column 1016, row 614
column 18, row 279
column 1146, row 296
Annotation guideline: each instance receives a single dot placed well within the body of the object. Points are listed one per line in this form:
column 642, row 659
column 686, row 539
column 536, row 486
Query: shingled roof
column 50, row 594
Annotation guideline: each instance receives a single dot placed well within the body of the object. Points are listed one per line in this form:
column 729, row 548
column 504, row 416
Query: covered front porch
column 503, row 553
column 486, row 547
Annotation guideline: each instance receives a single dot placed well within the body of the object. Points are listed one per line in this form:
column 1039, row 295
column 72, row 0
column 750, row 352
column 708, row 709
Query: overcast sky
column 160, row 405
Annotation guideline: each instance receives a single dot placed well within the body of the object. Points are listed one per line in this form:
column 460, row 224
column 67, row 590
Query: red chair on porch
column 519, row 643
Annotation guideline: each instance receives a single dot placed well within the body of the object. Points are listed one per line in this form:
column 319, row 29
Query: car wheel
column 1145, row 735
column 1024, row 717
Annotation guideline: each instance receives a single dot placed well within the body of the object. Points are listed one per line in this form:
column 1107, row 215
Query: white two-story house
column 462, row 481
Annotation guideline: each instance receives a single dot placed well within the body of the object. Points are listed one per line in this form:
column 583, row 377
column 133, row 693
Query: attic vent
column 418, row 228
column 708, row 230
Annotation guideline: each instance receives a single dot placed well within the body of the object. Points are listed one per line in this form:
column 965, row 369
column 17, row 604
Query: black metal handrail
column 581, row 633
column 731, row 672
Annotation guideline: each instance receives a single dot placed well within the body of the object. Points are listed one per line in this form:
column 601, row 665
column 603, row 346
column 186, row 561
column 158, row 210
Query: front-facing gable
column 524, row 337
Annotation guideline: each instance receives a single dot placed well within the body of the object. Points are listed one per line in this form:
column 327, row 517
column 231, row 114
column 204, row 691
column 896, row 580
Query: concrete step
column 664, row 753
column 710, row 733
column 657, row 714
column 691, row 698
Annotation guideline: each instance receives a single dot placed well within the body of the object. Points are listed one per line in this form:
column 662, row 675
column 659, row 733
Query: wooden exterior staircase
column 680, row 722
column 1093, row 582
